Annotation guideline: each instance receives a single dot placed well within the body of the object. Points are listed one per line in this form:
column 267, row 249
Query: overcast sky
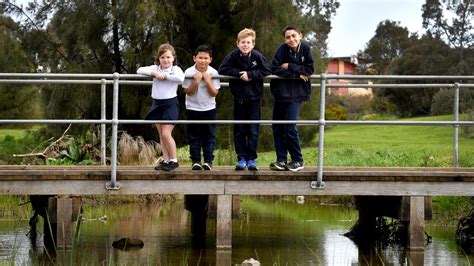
column 356, row 20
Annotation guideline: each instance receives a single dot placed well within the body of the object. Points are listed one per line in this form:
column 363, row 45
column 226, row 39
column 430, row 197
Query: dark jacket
column 293, row 89
column 257, row 67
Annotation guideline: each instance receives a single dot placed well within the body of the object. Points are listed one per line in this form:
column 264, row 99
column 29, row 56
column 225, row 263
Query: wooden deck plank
column 228, row 173
column 236, row 187
column 52, row 180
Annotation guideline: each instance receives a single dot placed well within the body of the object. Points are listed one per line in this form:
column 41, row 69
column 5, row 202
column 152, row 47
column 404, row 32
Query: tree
column 446, row 49
column 388, row 43
column 427, row 56
column 18, row 101
column 105, row 36
column 457, row 33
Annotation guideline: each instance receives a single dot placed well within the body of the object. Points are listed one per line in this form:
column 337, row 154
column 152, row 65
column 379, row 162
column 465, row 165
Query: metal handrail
column 133, row 79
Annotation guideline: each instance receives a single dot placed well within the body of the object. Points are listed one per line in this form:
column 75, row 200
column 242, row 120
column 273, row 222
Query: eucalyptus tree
column 17, row 101
column 118, row 36
column 388, row 43
column 453, row 22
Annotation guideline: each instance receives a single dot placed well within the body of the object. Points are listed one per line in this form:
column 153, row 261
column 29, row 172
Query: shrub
column 355, row 105
column 469, row 131
column 336, row 112
column 443, row 101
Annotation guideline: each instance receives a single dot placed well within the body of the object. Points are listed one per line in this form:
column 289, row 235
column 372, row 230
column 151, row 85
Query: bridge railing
column 117, row 79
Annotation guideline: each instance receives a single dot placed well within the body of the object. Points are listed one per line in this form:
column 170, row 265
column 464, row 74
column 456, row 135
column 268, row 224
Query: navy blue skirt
column 166, row 109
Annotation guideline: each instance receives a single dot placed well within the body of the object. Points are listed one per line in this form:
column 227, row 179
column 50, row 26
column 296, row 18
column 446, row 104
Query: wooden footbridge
column 224, row 182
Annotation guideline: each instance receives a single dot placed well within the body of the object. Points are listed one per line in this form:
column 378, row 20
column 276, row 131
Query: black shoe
column 207, row 166
column 279, row 166
column 295, row 166
column 160, row 165
column 196, row 166
column 169, row 166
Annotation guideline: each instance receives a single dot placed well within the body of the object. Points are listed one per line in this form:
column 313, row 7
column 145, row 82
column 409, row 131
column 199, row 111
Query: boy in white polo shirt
column 201, row 105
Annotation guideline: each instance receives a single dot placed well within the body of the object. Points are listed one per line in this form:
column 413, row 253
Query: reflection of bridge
column 225, row 182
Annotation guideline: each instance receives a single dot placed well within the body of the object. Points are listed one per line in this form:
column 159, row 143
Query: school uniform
column 247, row 95
column 288, row 95
column 201, row 106
column 165, row 104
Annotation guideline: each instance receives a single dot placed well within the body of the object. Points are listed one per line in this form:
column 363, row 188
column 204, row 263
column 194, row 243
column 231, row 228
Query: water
column 277, row 232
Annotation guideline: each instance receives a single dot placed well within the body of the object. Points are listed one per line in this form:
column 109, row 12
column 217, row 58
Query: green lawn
column 359, row 145
column 386, row 145
column 15, row 141
column 16, row 133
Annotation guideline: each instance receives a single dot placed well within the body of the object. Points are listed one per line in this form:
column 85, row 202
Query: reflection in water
column 272, row 231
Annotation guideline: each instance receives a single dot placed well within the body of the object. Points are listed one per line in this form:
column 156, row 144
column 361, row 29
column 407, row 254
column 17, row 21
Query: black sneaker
column 278, row 166
column 159, row 166
column 196, row 166
column 207, row 166
column 295, row 166
column 169, row 166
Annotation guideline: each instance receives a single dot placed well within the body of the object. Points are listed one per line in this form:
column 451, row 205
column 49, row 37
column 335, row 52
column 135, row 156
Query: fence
column 130, row 79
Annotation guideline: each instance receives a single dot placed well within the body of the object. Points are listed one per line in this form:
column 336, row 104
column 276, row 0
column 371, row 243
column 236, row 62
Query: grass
column 16, row 133
column 448, row 210
column 396, row 145
column 378, row 145
column 345, row 145
column 14, row 207
column 16, row 141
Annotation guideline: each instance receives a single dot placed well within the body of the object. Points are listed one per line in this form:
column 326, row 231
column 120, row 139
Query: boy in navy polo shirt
column 250, row 66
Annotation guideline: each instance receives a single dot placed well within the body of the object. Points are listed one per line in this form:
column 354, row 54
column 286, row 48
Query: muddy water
column 276, row 232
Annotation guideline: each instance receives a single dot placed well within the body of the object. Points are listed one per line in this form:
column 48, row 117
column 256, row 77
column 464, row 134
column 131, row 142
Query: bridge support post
column 64, row 222
column 224, row 222
column 223, row 256
column 416, row 229
column 63, row 210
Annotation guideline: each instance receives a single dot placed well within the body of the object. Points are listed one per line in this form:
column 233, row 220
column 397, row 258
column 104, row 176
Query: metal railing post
column 103, row 118
column 322, row 106
column 456, row 126
column 113, row 184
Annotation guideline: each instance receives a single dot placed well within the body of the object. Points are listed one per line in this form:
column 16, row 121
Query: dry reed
column 137, row 151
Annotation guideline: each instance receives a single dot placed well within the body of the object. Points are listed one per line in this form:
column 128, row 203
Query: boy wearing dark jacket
column 250, row 66
column 294, row 62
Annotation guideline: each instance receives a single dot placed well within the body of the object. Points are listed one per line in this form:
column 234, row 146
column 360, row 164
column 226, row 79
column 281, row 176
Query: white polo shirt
column 201, row 100
column 164, row 89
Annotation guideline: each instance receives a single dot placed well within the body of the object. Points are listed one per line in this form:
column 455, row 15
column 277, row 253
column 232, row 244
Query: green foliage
column 388, row 43
column 17, row 101
column 356, row 106
column 336, row 112
column 380, row 104
column 428, row 56
column 105, row 36
column 469, row 131
column 457, row 31
column 444, row 50
column 443, row 101
column 18, row 141
column 448, row 210
column 14, row 207
column 73, row 155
